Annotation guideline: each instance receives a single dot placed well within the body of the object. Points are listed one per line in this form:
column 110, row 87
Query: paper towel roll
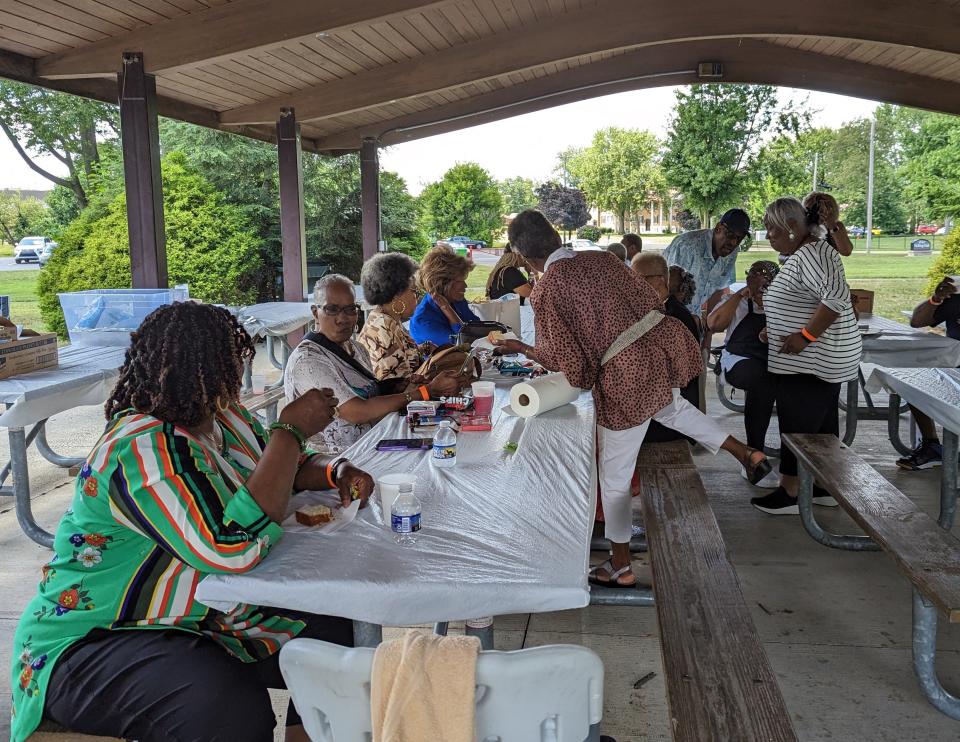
column 535, row 397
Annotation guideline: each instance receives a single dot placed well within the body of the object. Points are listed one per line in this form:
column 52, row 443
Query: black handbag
column 471, row 331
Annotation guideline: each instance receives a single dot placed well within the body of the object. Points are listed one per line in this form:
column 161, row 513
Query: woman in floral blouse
column 183, row 483
column 388, row 284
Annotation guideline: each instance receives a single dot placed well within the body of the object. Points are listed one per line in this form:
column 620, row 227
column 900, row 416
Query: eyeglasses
column 332, row 310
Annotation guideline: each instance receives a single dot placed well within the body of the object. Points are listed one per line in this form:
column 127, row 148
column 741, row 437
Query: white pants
column 618, row 451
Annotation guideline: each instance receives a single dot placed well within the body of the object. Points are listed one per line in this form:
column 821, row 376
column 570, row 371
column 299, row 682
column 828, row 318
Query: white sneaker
column 771, row 480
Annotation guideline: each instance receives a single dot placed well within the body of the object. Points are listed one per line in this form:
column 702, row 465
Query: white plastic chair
column 551, row 694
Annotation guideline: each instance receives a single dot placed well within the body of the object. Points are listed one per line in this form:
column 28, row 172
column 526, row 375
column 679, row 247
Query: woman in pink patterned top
column 600, row 324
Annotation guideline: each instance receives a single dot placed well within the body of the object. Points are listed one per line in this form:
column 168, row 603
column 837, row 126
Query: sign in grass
column 921, row 247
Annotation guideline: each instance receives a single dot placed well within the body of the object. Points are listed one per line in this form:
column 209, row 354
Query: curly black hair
column 184, row 361
column 387, row 275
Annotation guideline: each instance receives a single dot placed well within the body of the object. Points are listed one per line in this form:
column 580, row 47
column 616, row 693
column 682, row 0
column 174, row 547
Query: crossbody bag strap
column 633, row 333
column 327, row 344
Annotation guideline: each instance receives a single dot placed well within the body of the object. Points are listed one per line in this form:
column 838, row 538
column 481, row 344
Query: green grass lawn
column 21, row 287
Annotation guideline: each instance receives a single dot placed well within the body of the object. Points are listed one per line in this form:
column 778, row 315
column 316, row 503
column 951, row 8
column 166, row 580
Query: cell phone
column 405, row 444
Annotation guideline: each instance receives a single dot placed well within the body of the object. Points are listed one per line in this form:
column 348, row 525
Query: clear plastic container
column 108, row 316
column 445, row 446
column 405, row 516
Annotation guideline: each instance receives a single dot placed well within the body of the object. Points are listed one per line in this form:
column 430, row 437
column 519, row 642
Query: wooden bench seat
column 265, row 401
column 926, row 554
column 50, row 732
column 720, row 685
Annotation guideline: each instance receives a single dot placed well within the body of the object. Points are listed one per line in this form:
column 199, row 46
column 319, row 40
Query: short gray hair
column 387, row 275
column 617, row 249
column 652, row 261
column 320, row 287
column 780, row 212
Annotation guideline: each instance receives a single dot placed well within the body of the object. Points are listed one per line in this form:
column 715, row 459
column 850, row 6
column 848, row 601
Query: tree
column 932, row 166
column 210, row 245
column 564, row 207
column 714, row 130
column 465, row 201
column 619, row 171
column 20, row 217
column 948, row 264
column 517, row 194
column 784, row 166
column 44, row 122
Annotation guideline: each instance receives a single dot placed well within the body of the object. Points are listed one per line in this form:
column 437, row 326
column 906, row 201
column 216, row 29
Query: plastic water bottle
column 405, row 516
column 445, row 446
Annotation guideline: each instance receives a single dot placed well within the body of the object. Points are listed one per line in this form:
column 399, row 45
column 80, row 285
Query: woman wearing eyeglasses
column 444, row 309
column 328, row 358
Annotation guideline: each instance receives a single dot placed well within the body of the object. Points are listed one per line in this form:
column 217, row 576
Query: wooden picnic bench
column 926, row 554
column 50, row 732
column 265, row 402
column 720, row 685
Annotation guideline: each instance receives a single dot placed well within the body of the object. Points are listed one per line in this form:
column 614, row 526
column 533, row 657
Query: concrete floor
column 836, row 625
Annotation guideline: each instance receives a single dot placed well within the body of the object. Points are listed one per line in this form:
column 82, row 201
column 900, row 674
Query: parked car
column 876, row 231
column 942, row 230
column 461, row 241
column 856, row 231
column 47, row 252
column 30, row 248
column 927, row 229
column 583, row 245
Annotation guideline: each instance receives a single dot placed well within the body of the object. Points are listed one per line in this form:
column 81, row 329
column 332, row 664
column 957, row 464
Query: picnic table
column 893, row 344
column 502, row 532
column 86, row 374
column 935, row 392
column 273, row 320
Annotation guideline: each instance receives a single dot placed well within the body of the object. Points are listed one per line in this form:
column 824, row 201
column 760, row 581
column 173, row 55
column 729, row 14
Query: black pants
column 166, row 685
column 760, row 392
column 805, row 404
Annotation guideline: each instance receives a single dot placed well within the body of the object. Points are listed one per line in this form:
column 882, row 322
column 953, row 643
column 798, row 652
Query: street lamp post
column 873, row 131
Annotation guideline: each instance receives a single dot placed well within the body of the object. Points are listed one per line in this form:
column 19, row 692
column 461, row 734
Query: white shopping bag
column 506, row 309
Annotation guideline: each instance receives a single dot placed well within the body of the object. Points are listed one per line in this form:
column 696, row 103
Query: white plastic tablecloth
column 900, row 345
column 85, row 376
column 277, row 318
column 502, row 533
column 935, row 391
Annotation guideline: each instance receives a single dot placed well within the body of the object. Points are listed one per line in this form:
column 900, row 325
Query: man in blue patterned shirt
column 711, row 256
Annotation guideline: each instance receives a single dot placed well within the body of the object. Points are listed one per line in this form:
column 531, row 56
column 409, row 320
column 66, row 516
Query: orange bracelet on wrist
column 424, row 392
column 329, row 472
column 809, row 336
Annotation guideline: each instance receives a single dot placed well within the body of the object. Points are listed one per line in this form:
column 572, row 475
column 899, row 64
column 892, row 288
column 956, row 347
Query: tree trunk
column 621, row 218
column 90, row 151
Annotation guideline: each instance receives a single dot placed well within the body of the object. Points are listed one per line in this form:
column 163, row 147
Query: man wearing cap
column 711, row 256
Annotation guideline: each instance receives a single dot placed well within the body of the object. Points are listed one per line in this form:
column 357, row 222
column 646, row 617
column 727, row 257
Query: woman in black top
column 507, row 278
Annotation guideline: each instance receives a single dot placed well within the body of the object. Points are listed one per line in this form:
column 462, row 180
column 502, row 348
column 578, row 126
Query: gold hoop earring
column 220, row 406
column 403, row 307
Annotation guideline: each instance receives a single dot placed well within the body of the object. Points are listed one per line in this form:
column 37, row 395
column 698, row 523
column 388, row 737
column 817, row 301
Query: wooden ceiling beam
column 747, row 61
column 625, row 24
column 242, row 26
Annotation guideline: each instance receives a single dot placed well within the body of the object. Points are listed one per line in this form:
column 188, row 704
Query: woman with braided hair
column 182, row 484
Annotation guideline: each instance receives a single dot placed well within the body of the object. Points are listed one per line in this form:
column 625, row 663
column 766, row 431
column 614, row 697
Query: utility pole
column 873, row 131
column 816, row 161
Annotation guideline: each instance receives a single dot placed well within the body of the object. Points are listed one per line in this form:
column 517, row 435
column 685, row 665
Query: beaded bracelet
column 292, row 430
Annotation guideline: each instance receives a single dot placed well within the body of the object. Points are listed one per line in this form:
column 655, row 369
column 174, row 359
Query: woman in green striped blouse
column 183, row 483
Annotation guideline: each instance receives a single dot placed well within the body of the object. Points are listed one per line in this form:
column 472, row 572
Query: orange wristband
column 424, row 392
column 329, row 472
column 808, row 335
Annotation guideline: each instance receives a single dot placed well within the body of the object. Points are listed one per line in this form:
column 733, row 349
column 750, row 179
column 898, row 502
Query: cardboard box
column 28, row 354
column 864, row 300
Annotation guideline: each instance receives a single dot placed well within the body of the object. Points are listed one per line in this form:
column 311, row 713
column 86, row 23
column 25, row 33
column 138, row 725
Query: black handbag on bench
column 471, row 331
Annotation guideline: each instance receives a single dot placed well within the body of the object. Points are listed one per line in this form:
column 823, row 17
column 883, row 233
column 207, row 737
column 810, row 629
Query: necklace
column 213, row 439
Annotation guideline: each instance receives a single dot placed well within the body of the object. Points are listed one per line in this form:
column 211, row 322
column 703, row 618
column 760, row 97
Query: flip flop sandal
column 607, row 566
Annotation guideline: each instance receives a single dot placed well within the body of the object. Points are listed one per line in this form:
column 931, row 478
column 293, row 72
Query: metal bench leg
column 21, row 488
column 270, row 413
column 440, row 628
column 948, row 480
column 52, row 456
column 482, row 628
column 247, row 387
column 924, row 657
column 367, row 634
column 893, row 426
column 834, row 541
column 620, row 596
column 853, row 403
column 638, row 544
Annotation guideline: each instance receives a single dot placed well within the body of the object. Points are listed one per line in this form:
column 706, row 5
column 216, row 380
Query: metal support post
column 948, row 481
column 52, row 456
column 805, row 504
column 370, row 196
column 924, row 657
column 367, row 634
column 638, row 544
column 21, row 488
column 440, row 628
column 640, row 596
column 140, row 140
column 853, row 403
column 482, row 628
column 893, row 426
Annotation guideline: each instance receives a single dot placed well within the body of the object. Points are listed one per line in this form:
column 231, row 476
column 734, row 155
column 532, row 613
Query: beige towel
column 423, row 688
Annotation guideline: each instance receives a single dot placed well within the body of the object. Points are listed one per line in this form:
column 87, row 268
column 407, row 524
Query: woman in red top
column 598, row 322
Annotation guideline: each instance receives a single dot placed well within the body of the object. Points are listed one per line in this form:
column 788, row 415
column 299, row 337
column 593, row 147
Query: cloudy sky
column 524, row 145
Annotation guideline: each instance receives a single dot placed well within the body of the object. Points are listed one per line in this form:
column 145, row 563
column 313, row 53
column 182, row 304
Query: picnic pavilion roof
column 398, row 70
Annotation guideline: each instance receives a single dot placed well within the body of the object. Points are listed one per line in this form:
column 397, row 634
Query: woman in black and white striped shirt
column 814, row 342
